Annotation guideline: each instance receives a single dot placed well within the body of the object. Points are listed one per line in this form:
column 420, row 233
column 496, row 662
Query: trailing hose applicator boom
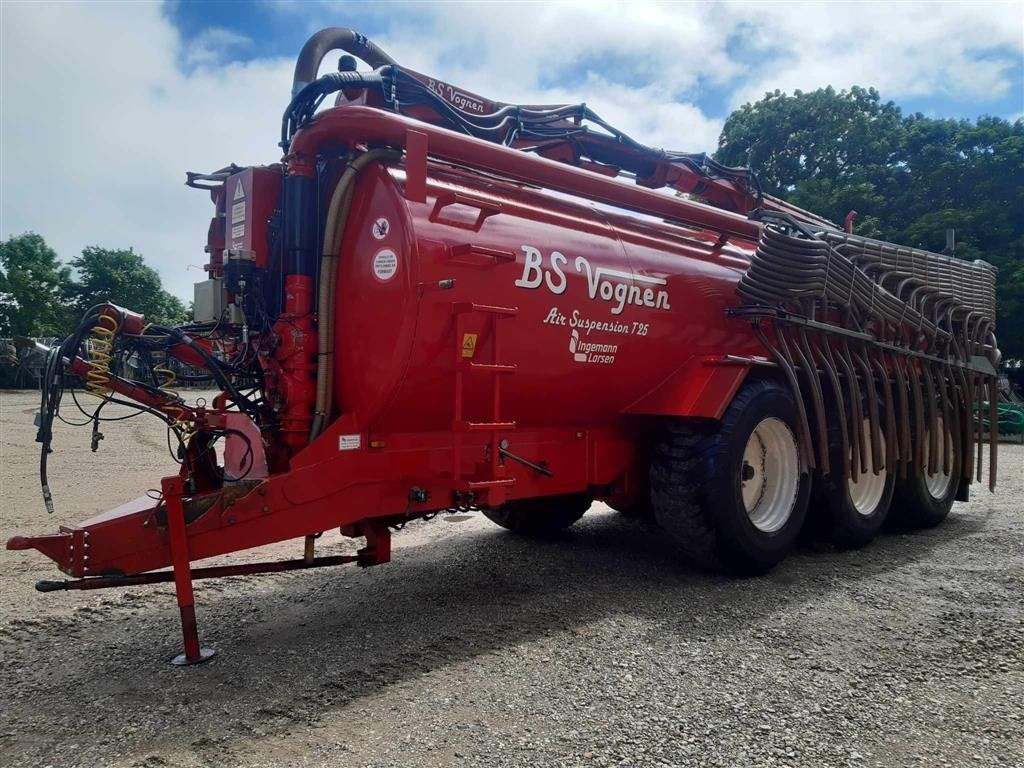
column 421, row 310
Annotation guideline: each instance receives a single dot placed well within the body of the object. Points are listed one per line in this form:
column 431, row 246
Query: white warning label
column 237, row 222
column 385, row 265
column 348, row 442
column 239, row 191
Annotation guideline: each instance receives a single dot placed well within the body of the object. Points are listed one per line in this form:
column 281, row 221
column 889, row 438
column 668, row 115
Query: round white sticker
column 380, row 228
column 385, row 265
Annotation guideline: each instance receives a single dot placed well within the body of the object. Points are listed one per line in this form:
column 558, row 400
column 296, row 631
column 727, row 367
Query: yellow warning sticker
column 468, row 344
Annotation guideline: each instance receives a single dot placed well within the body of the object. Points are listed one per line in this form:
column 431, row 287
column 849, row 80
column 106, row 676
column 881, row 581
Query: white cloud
column 521, row 45
column 962, row 49
column 214, row 45
column 100, row 125
column 643, row 113
column 965, row 50
column 100, row 121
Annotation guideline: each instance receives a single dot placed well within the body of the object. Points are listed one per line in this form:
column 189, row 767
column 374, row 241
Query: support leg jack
column 194, row 653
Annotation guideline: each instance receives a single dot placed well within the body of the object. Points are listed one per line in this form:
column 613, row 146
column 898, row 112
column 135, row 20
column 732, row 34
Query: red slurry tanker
column 438, row 302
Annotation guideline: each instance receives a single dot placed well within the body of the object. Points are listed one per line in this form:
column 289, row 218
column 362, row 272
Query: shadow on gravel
column 299, row 644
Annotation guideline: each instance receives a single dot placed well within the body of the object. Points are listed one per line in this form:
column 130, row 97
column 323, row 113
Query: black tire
column 636, row 509
column 916, row 504
column 855, row 512
column 817, row 514
column 541, row 516
column 697, row 488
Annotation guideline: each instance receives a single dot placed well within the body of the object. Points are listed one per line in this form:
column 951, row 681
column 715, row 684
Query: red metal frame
column 348, row 127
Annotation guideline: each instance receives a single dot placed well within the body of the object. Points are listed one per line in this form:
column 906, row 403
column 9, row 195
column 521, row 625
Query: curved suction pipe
column 333, row 39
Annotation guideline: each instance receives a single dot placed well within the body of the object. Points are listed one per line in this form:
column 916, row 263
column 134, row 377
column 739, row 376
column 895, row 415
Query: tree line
column 42, row 296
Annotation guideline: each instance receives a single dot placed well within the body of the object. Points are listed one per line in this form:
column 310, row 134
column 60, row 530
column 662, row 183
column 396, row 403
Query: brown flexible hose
column 817, row 398
column 828, row 366
column 787, row 368
column 874, row 425
column 911, row 299
column 334, row 228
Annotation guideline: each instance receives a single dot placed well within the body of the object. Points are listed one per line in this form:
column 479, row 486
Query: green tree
column 909, row 177
column 32, row 285
column 121, row 276
column 823, row 135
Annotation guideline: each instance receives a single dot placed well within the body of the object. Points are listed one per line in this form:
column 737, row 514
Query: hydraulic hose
column 304, row 103
column 334, row 229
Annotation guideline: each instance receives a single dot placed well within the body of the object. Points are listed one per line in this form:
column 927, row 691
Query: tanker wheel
column 924, row 501
column 734, row 495
column 542, row 516
column 856, row 510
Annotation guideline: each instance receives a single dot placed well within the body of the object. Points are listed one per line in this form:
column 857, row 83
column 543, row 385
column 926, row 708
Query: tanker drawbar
column 436, row 302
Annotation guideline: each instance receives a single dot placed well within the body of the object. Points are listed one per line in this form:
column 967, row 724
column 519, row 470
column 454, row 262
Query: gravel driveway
column 478, row 648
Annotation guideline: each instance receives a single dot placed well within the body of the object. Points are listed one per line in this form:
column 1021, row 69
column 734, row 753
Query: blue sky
column 268, row 29
column 105, row 104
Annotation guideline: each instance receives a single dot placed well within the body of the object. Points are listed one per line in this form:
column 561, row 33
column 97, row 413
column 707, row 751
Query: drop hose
column 929, row 312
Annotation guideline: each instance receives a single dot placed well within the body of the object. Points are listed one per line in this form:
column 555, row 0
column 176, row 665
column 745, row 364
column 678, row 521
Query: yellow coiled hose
column 165, row 378
column 101, row 353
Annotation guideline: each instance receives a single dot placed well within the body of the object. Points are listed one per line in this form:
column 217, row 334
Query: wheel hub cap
column 867, row 491
column 770, row 474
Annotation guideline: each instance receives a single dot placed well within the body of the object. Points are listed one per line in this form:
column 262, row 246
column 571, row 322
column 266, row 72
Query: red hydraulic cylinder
column 295, row 356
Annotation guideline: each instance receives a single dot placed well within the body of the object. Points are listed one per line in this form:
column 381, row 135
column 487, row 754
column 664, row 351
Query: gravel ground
column 477, row 648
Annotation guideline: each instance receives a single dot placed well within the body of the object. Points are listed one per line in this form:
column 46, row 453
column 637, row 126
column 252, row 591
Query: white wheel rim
column 938, row 484
column 866, row 493
column 770, row 475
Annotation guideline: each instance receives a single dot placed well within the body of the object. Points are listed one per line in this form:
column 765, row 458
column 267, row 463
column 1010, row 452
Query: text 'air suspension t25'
column 439, row 302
